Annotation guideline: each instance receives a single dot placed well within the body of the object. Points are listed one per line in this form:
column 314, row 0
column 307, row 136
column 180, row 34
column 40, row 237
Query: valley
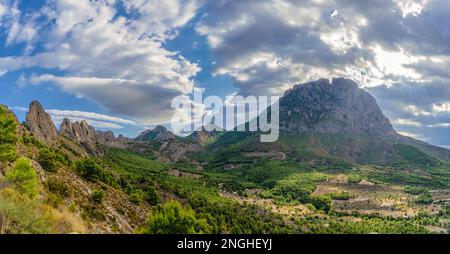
column 335, row 169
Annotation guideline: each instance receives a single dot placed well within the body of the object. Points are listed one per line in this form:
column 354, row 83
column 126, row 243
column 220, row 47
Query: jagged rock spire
column 40, row 123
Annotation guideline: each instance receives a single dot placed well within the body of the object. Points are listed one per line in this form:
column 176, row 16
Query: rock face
column 40, row 123
column 203, row 137
column 93, row 141
column 335, row 107
column 159, row 133
column 164, row 144
column 83, row 134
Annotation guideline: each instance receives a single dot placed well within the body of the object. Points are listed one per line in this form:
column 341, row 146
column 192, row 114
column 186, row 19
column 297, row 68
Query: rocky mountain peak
column 158, row 133
column 40, row 123
column 332, row 107
column 94, row 141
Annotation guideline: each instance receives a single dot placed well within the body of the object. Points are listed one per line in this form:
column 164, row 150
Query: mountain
column 335, row 107
column 319, row 121
column 336, row 153
column 335, row 120
column 164, row 145
column 40, row 123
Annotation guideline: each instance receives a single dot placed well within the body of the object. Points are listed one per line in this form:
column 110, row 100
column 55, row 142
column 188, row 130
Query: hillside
column 338, row 167
column 337, row 119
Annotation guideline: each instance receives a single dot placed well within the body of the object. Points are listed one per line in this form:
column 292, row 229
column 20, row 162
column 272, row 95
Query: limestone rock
column 335, row 107
column 40, row 123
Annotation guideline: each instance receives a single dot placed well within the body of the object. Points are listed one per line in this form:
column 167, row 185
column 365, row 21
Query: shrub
column 8, row 126
column 23, row 176
column 425, row 199
column 415, row 190
column 47, row 159
column 320, row 202
column 53, row 200
column 354, row 178
column 341, row 196
column 137, row 196
column 21, row 215
column 57, row 187
column 172, row 218
column 98, row 196
column 7, row 152
column 152, row 196
column 90, row 170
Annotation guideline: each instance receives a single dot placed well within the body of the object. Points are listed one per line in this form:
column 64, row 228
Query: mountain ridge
column 336, row 107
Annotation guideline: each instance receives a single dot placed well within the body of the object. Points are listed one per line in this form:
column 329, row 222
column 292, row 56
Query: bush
column 98, row 196
column 137, row 196
column 341, row 196
column 23, row 176
column 59, row 188
column 90, row 170
column 21, row 215
column 425, row 199
column 415, row 190
column 8, row 126
column 354, row 178
column 47, row 159
column 152, row 196
column 172, row 218
column 320, row 202
column 7, row 152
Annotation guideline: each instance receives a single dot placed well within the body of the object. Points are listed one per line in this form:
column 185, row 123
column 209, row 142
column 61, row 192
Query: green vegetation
column 47, row 160
column 8, row 125
column 137, row 196
column 415, row 190
column 367, row 225
column 21, row 215
column 435, row 177
column 89, row 169
column 425, row 199
column 23, row 176
column 98, row 196
column 172, row 218
column 57, row 187
column 354, row 178
column 299, row 187
column 412, row 156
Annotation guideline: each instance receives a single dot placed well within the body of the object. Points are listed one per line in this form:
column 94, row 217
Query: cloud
column 88, row 116
column 372, row 42
column 419, row 108
column 113, row 51
column 116, row 60
column 399, row 50
column 97, row 120
column 267, row 46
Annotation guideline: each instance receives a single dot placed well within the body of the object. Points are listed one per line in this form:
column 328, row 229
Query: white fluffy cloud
column 401, row 48
column 115, row 59
column 119, row 60
column 96, row 120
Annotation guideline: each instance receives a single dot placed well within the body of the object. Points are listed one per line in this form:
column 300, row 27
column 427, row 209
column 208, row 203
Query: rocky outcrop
column 40, row 123
column 159, row 133
column 108, row 139
column 81, row 133
column 165, row 145
column 335, row 107
column 93, row 141
column 203, row 136
column 84, row 134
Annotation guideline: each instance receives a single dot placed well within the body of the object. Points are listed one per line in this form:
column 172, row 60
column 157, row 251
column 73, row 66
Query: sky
column 119, row 63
